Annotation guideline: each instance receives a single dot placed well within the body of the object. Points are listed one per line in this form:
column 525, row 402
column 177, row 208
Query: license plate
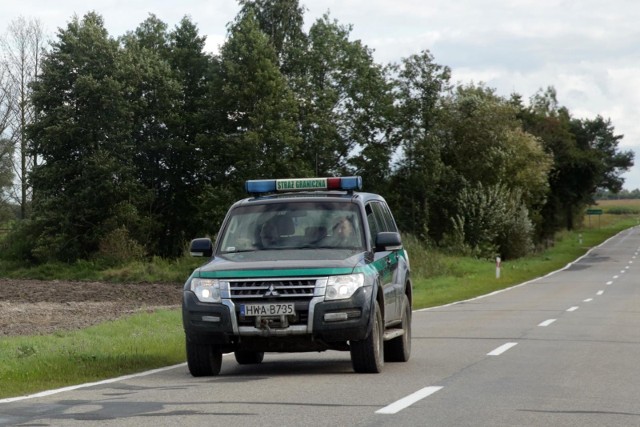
column 271, row 309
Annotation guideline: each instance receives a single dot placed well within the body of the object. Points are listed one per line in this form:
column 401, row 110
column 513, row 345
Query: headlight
column 342, row 287
column 207, row 290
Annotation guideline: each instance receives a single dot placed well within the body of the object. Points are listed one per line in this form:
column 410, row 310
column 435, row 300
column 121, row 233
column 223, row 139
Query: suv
column 303, row 265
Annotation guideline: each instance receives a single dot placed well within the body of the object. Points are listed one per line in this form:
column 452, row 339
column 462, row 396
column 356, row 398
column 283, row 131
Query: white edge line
column 407, row 401
column 76, row 387
column 498, row 351
column 527, row 282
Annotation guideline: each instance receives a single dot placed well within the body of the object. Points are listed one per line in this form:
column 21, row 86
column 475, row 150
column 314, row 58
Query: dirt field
column 29, row 307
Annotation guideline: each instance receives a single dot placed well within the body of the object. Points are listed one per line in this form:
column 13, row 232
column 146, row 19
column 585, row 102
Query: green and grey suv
column 309, row 264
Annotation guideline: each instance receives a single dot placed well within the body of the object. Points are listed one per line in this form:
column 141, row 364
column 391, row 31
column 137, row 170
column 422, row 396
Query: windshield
column 293, row 225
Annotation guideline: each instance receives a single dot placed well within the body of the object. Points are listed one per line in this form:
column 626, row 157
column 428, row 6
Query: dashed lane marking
column 405, row 402
column 498, row 351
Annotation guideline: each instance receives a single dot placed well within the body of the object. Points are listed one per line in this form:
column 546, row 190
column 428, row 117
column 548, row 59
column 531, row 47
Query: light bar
column 262, row 186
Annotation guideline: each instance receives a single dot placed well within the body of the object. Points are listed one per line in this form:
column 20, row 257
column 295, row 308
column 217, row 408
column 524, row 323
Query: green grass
column 133, row 344
column 146, row 341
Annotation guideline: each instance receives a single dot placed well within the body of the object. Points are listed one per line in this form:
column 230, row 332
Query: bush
column 516, row 241
column 623, row 211
column 16, row 244
column 491, row 221
column 117, row 247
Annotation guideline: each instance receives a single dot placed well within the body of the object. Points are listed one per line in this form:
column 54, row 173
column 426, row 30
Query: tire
column 367, row 355
column 203, row 360
column 399, row 349
column 249, row 357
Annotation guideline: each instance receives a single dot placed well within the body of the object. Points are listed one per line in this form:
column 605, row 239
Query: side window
column 388, row 218
column 383, row 217
column 374, row 228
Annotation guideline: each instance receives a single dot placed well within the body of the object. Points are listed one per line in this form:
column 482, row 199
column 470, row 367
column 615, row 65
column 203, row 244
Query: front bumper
column 318, row 322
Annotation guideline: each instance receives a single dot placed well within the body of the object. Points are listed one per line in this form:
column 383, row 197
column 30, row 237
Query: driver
column 268, row 234
column 344, row 233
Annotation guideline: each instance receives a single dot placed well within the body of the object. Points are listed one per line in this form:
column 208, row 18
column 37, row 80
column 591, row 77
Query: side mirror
column 388, row 241
column 202, row 247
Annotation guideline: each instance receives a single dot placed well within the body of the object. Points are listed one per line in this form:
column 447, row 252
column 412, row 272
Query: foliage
column 19, row 69
column 597, row 137
column 585, row 157
column 418, row 85
column 6, row 176
column 81, row 136
column 117, row 247
column 149, row 137
column 262, row 139
column 492, row 221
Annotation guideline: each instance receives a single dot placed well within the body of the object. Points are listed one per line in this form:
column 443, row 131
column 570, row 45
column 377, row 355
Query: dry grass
column 605, row 204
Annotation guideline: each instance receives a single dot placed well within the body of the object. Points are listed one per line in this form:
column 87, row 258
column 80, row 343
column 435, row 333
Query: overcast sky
column 588, row 50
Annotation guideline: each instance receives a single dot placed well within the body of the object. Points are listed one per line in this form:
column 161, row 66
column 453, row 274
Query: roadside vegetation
column 151, row 340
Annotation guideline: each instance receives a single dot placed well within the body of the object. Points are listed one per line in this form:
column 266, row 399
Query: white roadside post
column 497, row 267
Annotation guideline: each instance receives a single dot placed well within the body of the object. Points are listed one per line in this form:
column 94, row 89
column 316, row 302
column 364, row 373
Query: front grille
column 266, row 288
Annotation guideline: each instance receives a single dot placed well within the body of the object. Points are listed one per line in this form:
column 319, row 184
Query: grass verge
column 133, row 344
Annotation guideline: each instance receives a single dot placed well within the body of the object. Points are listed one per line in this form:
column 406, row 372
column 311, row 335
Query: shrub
column 516, row 240
column 117, row 247
column 491, row 221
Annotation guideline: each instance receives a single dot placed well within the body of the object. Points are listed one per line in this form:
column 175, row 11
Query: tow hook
column 267, row 323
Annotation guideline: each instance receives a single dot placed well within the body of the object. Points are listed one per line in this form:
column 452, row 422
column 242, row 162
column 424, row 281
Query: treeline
column 603, row 194
column 139, row 143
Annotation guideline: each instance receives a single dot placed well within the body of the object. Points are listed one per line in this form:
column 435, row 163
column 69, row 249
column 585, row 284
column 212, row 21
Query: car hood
column 282, row 263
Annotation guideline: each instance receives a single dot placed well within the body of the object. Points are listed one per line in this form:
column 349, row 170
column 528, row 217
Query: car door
column 385, row 261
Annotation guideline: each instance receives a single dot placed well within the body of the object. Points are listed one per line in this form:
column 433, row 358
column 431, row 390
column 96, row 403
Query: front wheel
column 203, row 360
column 367, row 355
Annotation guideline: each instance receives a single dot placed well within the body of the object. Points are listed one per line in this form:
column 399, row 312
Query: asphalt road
column 563, row 350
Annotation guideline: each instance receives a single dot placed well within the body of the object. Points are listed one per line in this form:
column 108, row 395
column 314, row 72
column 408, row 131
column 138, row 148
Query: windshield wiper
column 239, row 251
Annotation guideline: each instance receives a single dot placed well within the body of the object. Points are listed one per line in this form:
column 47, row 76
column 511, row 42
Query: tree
column 152, row 92
column 577, row 170
column 6, row 148
column 20, row 64
column 484, row 147
column 281, row 21
column 598, row 136
column 261, row 136
column 6, row 177
column 485, row 142
column 419, row 84
column 84, row 184
column 345, row 104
